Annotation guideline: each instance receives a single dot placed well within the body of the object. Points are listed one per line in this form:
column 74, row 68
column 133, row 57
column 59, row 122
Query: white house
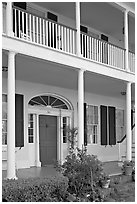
column 67, row 64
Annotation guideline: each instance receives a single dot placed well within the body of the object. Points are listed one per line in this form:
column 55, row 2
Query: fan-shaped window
column 49, row 101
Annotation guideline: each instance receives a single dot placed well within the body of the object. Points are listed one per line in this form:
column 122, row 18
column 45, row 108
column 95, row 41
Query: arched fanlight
column 49, row 101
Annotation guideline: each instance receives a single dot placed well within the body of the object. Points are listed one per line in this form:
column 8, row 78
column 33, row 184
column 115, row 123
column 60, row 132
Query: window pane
column 4, row 98
column 4, row 138
column 30, row 139
column 4, row 126
column 30, row 124
column 4, row 110
column 30, row 131
column 30, row 117
column 64, row 139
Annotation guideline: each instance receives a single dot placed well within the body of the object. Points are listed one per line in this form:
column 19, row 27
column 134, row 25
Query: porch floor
column 110, row 168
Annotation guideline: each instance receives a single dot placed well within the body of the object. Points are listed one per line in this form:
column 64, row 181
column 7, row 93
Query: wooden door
column 48, row 139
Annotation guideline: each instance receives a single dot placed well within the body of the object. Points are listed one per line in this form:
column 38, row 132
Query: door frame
column 59, row 113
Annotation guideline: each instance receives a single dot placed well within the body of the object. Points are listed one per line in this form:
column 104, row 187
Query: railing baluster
column 89, row 47
column 15, row 23
column 43, row 32
column 56, row 27
column 62, row 37
column 19, row 23
column 73, row 42
column 34, row 29
column 47, row 31
column 59, row 37
column 40, row 33
column 26, row 17
column 65, row 39
column 49, row 34
column 68, row 39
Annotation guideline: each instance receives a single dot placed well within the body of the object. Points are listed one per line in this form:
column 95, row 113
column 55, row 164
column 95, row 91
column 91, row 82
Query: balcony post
column 128, row 121
column 80, row 108
column 126, row 39
column 78, row 29
column 11, row 170
column 9, row 19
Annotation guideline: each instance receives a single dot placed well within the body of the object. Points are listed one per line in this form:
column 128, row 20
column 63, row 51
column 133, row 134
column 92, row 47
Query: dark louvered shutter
column 103, row 125
column 19, row 120
column 85, row 124
column 112, row 125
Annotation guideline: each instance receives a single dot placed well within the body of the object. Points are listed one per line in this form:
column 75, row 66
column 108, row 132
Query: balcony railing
column 101, row 51
column 30, row 27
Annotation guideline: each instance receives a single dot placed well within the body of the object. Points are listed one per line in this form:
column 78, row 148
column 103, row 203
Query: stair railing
column 120, row 141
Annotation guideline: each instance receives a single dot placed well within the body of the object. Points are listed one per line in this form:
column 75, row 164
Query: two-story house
column 67, row 64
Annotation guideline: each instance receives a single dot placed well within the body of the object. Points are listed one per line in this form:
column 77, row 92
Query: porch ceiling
column 102, row 16
column 44, row 72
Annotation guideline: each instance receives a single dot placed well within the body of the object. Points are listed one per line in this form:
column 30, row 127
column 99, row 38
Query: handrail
column 123, row 138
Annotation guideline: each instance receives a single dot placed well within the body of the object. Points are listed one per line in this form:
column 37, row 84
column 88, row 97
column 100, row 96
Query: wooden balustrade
column 30, row 27
column 101, row 51
column 43, row 31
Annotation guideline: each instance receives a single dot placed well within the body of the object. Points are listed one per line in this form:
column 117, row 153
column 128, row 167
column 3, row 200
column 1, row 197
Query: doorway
column 47, row 139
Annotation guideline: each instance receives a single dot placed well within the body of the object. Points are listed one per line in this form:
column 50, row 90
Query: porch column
column 80, row 108
column 78, row 29
column 128, row 121
column 9, row 19
column 126, row 39
column 11, row 171
column 38, row 163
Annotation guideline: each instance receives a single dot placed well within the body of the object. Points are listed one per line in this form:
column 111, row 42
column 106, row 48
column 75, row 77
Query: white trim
column 59, row 113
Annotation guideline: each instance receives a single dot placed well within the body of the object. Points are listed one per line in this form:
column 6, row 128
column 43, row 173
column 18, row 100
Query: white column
column 128, row 122
column 80, row 108
column 61, row 141
column 78, row 29
column 11, row 171
column 9, row 19
column 126, row 39
column 38, row 163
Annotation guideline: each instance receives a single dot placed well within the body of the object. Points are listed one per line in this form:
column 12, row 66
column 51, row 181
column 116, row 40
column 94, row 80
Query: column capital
column 82, row 70
column 12, row 52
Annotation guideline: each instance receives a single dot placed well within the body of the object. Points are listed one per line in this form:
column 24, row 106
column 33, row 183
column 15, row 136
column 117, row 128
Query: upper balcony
column 102, row 32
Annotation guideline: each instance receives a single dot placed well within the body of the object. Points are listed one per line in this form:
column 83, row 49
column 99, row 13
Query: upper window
column 92, row 124
column 4, row 119
column 49, row 101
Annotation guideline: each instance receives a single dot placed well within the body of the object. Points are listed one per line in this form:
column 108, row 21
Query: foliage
column 83, row 172
column 128, row 164
column 72, row 135
column 35, row 189
column 133, row 174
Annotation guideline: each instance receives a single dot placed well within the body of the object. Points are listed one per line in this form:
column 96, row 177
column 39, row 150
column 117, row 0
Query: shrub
column 83, row 172
column 35, row 189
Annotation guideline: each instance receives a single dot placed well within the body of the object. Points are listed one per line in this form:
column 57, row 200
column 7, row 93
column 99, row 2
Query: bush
column 83, row 172
column 35, row 189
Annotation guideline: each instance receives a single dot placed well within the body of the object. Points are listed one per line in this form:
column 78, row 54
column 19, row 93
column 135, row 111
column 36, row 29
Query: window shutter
column 85, row 124
column 112, row 125
column 103, row 125
column 19, row 120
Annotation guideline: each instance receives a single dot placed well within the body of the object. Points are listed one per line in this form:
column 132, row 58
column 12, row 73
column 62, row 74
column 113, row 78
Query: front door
column 47, row 139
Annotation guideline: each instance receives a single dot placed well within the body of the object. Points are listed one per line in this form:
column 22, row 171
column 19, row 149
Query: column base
column 11, row 178
column 38, row 164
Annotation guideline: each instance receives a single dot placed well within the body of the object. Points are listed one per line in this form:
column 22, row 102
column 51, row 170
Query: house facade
column 63, row 65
